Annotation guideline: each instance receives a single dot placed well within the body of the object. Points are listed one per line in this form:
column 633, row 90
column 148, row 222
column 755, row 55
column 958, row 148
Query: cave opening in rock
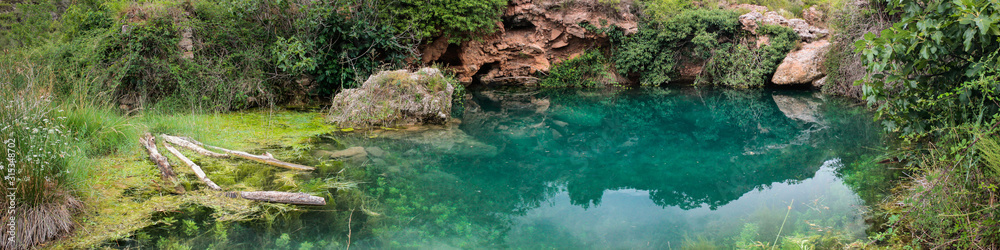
column 452, row 56
column 514, row 23
column 477, row 78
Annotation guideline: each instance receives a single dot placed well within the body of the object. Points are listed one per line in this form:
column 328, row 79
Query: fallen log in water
column 266, row 158
column 149, row 142
column 279, row 197
column 197, row 169
column 192, row 145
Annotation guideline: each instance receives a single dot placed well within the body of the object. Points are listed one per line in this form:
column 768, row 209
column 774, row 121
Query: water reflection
column 620, row 169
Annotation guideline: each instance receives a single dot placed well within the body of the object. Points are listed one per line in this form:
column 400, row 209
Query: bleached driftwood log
column 149, row 142
column 197, row 169
column 192, row 145
column 266, row 158
column 279, row 197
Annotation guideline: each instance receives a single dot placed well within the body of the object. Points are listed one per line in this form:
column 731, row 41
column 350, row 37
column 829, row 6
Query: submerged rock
column 354, row 154
column 391, row 98
column 376, row 152
column 441, row 140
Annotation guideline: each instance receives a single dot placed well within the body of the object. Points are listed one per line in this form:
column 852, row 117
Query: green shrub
column 849, row 22
column 42, row 162
column 457, row 19
column 26, row 24
column 588, row 70
column 927, row 69
column 697, row 36
column 737, row 65
column 934, row 78
column 351, row 49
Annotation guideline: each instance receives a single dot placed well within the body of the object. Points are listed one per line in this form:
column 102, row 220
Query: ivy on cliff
column 696, row 36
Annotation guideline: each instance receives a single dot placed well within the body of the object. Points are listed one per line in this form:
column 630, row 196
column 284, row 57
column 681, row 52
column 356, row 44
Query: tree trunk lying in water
column 266, row 158
column 279, row 197
column 197, row 169
column 149, row 142
column 266, row 196
column 192, row 145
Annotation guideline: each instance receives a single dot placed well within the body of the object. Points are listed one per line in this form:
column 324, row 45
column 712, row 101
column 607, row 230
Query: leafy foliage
column 456, row 19
column 702, row 36
column 739, row 66
column 923, row 65
column 934, row 77
column 348, row 50
column 657, row 49
column 588, row 70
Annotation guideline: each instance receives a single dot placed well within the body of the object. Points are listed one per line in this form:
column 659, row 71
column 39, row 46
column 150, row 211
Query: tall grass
column 43, row 163
column 48, row 141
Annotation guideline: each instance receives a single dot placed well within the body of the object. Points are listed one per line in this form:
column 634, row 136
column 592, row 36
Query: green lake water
column 649, row 168
column 646, row 168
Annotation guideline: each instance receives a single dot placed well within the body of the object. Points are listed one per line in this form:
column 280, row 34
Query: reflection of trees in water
column 688, row 148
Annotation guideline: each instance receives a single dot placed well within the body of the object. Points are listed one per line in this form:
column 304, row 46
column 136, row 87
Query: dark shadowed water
column 610, row 169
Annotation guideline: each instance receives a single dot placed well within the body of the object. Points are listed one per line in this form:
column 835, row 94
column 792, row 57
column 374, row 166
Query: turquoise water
column 646, row 168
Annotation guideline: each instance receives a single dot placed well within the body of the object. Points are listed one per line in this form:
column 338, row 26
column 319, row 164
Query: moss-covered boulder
column 391, row 98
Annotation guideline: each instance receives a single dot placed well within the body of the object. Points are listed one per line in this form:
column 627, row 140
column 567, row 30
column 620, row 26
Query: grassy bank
column 125, row 194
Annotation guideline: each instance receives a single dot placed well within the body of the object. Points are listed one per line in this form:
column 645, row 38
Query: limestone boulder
column 802, row 66
column 819, row 82
column 392, row 98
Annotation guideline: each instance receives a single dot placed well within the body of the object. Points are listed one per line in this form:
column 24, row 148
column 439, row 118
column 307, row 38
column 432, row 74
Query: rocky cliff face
column 534, row 34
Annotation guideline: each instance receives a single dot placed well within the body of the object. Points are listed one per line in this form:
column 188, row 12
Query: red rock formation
column 534, row 34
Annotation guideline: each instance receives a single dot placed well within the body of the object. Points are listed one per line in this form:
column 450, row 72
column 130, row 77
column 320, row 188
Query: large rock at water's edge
column 802, row 66
column 391, row 98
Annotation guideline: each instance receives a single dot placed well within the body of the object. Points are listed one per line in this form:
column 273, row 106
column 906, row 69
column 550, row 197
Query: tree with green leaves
column 934, row 68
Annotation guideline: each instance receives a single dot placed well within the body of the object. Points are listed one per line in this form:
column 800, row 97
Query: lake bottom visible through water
column 650, row 168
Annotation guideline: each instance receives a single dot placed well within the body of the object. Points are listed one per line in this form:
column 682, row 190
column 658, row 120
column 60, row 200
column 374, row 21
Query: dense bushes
column 933, row 76
column 459, row 20
column 656, row 50
column 849, row 23
column 925, row 66
column 349, row 50
column 588, row 70
column 702, row 36
column 241, row 53
column 739, row 65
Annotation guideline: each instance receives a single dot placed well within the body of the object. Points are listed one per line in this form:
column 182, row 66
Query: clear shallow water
column 647, row 168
